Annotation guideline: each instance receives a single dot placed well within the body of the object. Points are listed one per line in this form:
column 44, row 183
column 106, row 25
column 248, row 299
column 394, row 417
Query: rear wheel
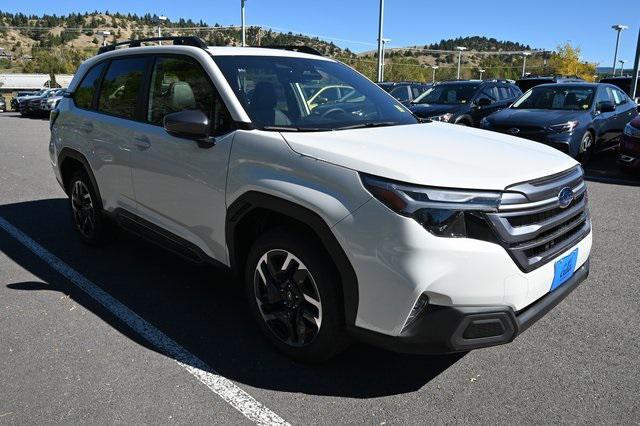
column 293, row 291
column 586, row 147
column 86, row 210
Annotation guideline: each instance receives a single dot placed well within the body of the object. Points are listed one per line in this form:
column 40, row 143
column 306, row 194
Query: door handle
column 142, row 142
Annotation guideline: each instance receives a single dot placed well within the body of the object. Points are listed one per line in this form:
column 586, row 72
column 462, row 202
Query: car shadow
column 603, row 168
column 199, row 307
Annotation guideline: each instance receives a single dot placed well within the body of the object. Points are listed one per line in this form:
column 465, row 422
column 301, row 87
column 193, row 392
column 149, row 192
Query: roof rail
column 301, row 49
column 177, row 41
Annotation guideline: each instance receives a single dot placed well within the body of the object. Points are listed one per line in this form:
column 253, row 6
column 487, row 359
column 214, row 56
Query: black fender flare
column 78, row 156
column 252, row 200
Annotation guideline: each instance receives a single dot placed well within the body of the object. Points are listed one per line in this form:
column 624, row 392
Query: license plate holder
column 564, row 269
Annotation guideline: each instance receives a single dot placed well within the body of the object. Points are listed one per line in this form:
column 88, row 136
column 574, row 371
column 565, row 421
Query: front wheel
column 293, row 291
column 586, row 147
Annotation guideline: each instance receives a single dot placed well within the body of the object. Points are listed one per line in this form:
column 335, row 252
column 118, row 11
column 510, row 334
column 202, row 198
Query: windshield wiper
column 294, row 129
column 368, row 124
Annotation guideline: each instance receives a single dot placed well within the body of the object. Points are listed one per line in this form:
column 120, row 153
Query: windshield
column 556, row 98
column 281, row 93
column 448, row 94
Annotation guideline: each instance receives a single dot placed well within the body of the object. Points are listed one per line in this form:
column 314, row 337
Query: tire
column 585, row 150
column 86, row 211
column 297, row 284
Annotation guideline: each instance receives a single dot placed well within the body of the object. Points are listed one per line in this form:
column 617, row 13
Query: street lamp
column 619, row 28
column 481, row 71
column 104, row 35
column 384, row 42
column 161, row 19
column 434, row 68
column 621, row 61
column 524, row 62
column 244, row 28
column 460, row 49
column 380, row 43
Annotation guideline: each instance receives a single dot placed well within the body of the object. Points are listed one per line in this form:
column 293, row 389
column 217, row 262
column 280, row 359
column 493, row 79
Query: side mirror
column 483, row 102
column 606, row 106
column 189, row 124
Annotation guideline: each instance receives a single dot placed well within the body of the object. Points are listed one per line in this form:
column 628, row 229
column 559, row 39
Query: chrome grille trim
column 534, row 233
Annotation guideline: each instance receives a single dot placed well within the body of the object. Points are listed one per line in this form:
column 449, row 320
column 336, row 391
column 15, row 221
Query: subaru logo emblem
column 565, row 197
column 514, row 130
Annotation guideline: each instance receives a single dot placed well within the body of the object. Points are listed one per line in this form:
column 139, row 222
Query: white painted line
column 223, row 387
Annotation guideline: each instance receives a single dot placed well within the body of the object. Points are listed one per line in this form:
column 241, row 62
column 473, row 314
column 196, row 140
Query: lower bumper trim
column 449, row 329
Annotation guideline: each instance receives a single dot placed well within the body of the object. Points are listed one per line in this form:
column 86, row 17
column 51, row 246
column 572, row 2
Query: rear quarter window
column 86, row 90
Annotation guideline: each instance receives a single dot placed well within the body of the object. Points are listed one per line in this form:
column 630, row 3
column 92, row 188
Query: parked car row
column 405, row 91
column 40, row 103
column 574, row 116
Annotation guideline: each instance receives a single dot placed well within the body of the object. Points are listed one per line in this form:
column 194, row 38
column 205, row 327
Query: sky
column 542, row 24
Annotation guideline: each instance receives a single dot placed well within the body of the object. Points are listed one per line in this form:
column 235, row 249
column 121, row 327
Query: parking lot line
column 223, row 387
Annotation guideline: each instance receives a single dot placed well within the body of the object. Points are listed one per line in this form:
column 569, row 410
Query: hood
column 533, row 117
column 435, row 154
column 431, row 110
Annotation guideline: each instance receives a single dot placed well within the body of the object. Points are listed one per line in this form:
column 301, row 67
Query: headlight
column 444, row 117
column 442, row 212
column 564, row 127
column 629, row 130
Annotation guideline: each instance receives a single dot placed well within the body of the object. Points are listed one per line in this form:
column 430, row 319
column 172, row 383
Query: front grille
column 536, row 231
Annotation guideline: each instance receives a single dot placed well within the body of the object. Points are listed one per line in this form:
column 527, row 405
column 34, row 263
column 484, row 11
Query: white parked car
column 350, row 220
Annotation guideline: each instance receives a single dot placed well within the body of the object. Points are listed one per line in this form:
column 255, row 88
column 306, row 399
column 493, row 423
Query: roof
column 260, row 51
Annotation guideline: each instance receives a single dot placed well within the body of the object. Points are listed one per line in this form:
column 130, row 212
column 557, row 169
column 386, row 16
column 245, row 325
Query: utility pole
column 619, row 28
column 380, row 44
column 524, row 63
column 244, row 28
column 621, row 61
column 434, row 68
column 460, row 49
column 161, row 19
column 636, row 70
column 481, row 71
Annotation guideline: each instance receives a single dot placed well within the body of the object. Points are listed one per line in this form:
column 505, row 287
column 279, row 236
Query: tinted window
column 503, row 93
column 556, row 97
column 400, row 93
column 83, row 96
column 619, row 96
column 448, row 93
column 603, row 96
column 179, row 84
column 490, row 92
column 121, row 86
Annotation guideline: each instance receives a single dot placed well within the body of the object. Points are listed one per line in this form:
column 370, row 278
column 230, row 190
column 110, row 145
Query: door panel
column 178, row 185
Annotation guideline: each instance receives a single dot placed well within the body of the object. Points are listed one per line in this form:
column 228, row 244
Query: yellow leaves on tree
column 566, row 62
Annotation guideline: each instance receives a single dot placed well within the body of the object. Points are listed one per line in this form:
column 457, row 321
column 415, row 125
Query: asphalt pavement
column 133, row 334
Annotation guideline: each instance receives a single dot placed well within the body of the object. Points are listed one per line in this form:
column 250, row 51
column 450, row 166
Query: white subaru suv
column 344, row 218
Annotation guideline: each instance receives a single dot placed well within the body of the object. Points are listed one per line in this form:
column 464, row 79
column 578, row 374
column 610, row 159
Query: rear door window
column 121, row 87
column 87, row 88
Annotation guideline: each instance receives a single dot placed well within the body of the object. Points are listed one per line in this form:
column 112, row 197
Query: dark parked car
column 623, row 83
column 31, row 106
column 3, row 104
column 575, row 118
column 16, row 99
column 464, row 102
column 629, row 156
column 530, row 82
column 405, row 91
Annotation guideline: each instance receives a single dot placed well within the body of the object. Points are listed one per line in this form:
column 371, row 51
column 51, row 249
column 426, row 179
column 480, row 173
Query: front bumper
column 449, row 329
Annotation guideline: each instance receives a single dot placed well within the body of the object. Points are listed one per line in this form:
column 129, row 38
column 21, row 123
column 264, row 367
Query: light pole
column 380, row 43
column 434, row 68
column 621, row 62
column 524, row 62
column 619, row 28
column 384, row 42
column 481, row 71
column 244, row 28
column 636, row 70
column 161, row 19
column 460, row 49
column 105, row 34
